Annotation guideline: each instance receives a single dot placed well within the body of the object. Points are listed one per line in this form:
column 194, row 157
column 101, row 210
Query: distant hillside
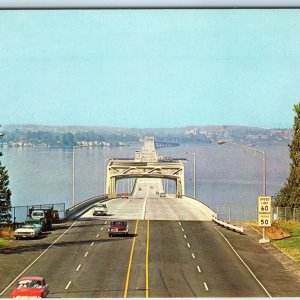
column 68, row 136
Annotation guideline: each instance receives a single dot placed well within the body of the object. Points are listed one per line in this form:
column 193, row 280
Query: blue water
column 225, row 175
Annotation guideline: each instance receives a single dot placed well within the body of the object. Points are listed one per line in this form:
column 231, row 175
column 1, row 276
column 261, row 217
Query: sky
column 150, row 68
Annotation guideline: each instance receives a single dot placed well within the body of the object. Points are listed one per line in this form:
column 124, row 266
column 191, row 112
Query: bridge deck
column 155, row 209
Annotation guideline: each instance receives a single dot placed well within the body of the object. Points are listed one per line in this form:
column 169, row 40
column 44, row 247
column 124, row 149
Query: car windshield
column 28, row 226
column 38, row 214
column 29, row 283
column 119, row 223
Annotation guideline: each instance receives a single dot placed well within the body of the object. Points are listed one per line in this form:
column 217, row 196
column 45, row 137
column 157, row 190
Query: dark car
column 118, row 227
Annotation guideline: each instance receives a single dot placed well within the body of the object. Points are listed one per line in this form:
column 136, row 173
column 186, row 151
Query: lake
column 225, row 174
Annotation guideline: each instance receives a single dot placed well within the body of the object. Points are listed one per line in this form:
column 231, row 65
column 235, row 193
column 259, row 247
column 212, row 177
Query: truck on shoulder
column 47, row 216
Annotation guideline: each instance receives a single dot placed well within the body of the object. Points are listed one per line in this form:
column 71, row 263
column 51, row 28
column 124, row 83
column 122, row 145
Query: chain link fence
column 19, row 213
column 249, row 213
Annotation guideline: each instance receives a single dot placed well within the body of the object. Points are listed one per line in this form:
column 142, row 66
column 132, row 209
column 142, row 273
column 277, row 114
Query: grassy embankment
column 290, row 245
column 6, row 235
column 284, row 235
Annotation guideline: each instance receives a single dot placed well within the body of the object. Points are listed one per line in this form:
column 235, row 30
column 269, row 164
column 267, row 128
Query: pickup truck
column 100, row 209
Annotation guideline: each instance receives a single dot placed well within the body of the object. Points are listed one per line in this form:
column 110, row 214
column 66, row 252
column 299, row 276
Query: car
column 118, row 227
column 100, row 209
column 124, row 196
column 27, row 231
column 30, row 287
column 162, row 195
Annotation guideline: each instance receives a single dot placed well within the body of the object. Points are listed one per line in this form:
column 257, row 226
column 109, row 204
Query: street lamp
column 73, row 172
column 264, row 239
column 194, row 170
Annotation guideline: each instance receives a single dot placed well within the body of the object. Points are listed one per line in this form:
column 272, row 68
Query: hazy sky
column 150, row 68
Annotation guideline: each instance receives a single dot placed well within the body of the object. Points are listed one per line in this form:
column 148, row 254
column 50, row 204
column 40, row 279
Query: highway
column 162, row 257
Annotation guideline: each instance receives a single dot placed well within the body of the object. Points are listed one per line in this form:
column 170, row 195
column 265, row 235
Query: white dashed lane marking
column 67, row 286
column 205, row 285
column 198, row 268
column 86, row 253
column 78, row 268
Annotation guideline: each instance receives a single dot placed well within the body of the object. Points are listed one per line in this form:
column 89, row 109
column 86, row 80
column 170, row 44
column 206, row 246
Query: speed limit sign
column 264, row 204
column 264, row 211
column 264, row 220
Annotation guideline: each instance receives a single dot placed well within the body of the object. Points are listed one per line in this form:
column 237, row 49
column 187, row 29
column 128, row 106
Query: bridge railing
column 83, row 206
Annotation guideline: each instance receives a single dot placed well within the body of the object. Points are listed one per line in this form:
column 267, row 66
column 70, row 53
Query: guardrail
column 228, row 226
column 83, row 206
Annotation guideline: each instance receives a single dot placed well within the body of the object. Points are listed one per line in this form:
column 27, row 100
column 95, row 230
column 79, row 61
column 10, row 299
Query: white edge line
column 244, row 263
column 68, row 285
column 37, row 259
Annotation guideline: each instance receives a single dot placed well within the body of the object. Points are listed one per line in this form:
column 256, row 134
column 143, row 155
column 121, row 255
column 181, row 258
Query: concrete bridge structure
column 146, row 166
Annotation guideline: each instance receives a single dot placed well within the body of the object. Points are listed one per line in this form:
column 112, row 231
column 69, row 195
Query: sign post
column 264, row 215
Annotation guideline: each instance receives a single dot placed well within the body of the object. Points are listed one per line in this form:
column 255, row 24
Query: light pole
column 264, row 171
column 73, row 172
column 194, row 154
column 194, row 171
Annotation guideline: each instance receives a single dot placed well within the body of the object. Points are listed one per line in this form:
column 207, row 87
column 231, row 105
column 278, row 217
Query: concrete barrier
column 228, row 226
column 209, row 212
column 82, row 207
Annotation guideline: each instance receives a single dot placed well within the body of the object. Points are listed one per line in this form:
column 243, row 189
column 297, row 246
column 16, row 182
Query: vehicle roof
column 31, row 278
column 119, row 221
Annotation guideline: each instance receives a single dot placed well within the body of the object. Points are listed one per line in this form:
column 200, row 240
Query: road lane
column 221, row 269
column 137, row 278
column 172, row 271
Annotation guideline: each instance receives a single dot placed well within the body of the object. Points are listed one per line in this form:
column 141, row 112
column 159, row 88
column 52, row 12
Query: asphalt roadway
column 160, row 258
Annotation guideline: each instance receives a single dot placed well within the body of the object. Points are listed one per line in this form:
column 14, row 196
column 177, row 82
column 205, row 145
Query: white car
column 100, row 209
column 27, row 231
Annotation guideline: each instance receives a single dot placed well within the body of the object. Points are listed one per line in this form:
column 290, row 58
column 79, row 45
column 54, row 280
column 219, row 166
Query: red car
column 124, row 196
column 30, row 287
column 118, row 227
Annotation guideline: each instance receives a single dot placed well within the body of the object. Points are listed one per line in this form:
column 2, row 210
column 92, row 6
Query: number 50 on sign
column 264, row 220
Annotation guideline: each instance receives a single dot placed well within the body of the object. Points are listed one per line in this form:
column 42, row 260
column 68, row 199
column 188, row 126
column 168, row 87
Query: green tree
column 5, row 194
column 289, row 195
